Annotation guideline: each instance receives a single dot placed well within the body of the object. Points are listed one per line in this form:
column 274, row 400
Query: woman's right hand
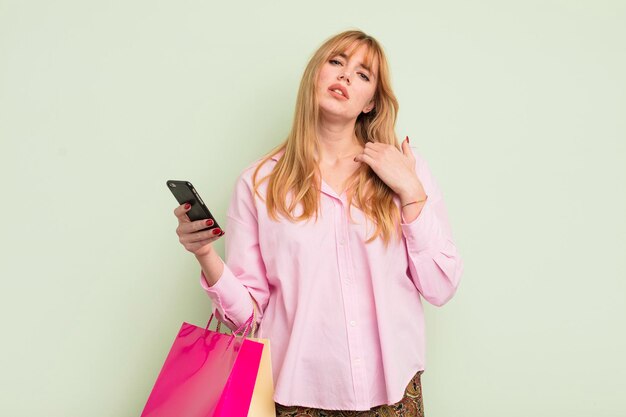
column 198, row 243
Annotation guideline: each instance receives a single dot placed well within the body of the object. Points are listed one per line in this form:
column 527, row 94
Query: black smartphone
column 185, row 193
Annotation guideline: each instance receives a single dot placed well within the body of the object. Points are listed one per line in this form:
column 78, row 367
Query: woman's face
column 357, row 83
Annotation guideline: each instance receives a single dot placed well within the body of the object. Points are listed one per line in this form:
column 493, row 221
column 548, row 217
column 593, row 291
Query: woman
column 336, row 235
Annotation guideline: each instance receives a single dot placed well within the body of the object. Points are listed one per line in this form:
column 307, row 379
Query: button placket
column 351, row 300
column 348, row 290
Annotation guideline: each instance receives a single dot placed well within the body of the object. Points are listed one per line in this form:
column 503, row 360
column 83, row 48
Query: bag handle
column 251, row 320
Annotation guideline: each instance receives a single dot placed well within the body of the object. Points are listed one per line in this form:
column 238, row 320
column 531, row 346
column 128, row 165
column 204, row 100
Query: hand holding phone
column 197, row 228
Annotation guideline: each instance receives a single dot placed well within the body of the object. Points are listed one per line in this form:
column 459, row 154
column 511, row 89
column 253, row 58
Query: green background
column 519, row 108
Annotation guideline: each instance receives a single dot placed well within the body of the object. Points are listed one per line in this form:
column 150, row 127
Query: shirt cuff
column 229, row 296
column 424, row 231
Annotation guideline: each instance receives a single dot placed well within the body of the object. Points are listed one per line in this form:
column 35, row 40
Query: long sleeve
column 244, row 270
column 435, row 265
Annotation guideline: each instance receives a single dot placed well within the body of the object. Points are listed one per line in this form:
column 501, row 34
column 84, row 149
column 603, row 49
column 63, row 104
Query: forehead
column 364, row 54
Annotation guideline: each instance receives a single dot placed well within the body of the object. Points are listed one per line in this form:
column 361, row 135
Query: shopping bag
column 262, row 404
column 206, row 374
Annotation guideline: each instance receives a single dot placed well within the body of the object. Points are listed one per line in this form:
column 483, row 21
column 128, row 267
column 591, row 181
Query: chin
column 335, row 111
column 335, row 114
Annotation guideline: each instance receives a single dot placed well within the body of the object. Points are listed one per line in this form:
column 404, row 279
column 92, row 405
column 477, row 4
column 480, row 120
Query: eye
column 334, row 60
column 365, row 77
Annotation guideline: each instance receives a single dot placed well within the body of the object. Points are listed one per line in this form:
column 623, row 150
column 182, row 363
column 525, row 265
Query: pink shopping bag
column 206, row 374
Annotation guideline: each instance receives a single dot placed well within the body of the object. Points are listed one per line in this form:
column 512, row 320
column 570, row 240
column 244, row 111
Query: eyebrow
column 362, row 65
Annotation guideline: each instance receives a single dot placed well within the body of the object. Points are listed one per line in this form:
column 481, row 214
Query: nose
column 345, row 75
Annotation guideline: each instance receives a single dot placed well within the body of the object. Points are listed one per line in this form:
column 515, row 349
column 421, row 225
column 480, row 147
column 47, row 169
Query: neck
column 337, row 141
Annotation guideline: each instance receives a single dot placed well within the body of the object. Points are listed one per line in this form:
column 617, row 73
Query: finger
column 200, row 236
column 374, row 154
column 365, row 158
column 191, row 227
column 181, row 212
column 192, row 247
column 406, row 149
column 202, row 242
column 375, row 146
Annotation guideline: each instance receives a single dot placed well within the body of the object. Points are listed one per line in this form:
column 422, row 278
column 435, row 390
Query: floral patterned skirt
column 411, row 405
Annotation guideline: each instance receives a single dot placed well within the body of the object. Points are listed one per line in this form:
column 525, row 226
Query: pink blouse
column 344, row 318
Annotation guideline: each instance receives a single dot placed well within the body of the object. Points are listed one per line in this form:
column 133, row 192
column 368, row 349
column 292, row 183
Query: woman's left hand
column 394, row 168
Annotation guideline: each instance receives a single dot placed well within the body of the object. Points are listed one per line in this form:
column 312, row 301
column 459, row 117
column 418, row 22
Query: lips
column 340, row 88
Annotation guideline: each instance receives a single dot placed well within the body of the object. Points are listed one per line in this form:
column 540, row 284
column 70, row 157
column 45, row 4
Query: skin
column 339, row 148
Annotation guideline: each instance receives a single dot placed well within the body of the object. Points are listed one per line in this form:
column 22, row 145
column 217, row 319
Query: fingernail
column 407, row 140
column 209, row 222
column 187, row 206
column 217, row 231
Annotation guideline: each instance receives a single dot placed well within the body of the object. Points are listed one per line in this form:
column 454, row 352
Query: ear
column 369, row 106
